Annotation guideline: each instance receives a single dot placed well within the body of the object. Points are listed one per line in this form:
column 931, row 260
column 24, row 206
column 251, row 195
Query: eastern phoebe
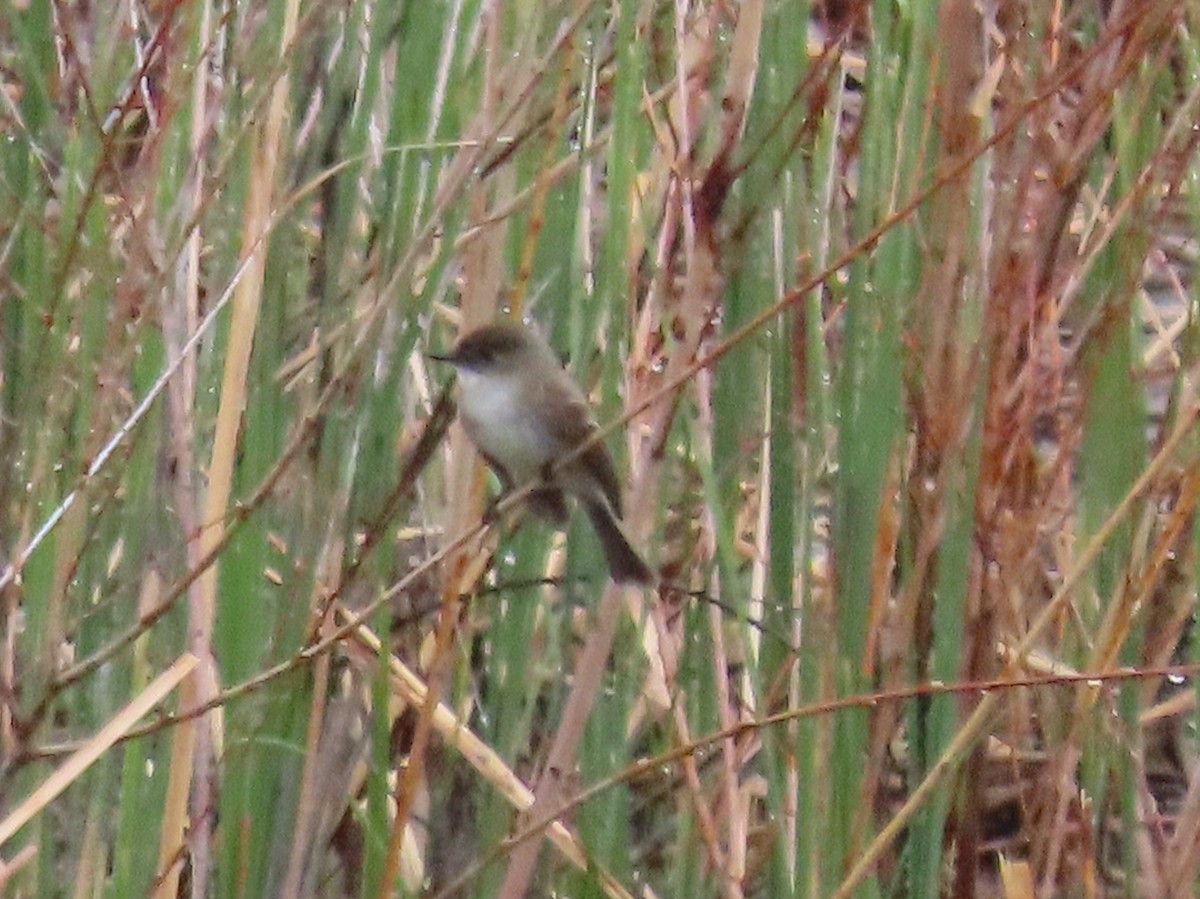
column 523, row 412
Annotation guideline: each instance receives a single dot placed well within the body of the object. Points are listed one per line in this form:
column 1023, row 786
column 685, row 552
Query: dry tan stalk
column 70, row 770
column 1182, row 857
column 451, row 728
column 20, row 860
column 196, row 748
column 973, row 729
column 560, row 760
column 306, row 811
column 482, row 267
column 92, row 861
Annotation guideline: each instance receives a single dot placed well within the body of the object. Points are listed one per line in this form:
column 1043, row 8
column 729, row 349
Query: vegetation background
column 889, row 307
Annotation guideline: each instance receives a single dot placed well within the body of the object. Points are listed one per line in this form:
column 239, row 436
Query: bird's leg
column 491, row 511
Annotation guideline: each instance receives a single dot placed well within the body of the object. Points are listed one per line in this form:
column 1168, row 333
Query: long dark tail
column 624, row 564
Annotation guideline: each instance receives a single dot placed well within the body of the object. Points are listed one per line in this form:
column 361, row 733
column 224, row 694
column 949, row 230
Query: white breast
column 503, row 425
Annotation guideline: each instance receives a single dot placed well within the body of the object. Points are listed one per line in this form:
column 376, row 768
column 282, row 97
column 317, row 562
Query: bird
column 524, row 412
